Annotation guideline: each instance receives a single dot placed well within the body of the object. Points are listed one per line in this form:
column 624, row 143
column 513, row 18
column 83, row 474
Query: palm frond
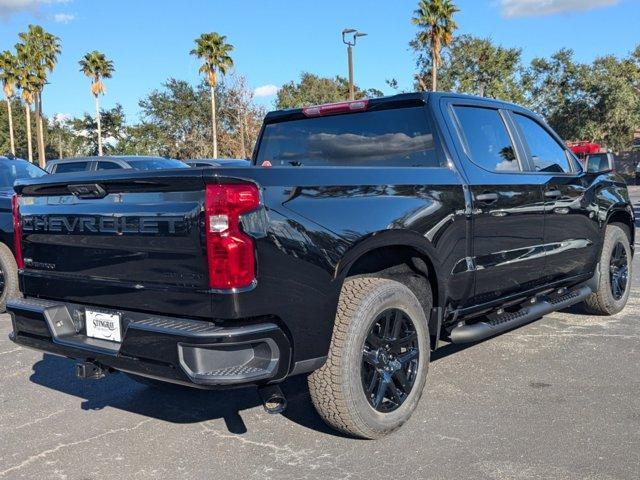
column 213, row 50
column 37, row 53
column 96, row 66
column 9, row 74
column 435, row 19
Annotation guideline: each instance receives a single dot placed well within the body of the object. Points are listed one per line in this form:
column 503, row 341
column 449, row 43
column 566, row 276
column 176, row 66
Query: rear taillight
column 17, row 231
column 230, row 252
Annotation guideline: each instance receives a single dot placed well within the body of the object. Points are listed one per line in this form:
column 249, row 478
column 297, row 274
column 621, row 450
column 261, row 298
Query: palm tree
column 9, row 78
column 29, row 84
column 213, row 49
column 44, row 49
column 435, row 18
column 59, row 129
column 96, row 66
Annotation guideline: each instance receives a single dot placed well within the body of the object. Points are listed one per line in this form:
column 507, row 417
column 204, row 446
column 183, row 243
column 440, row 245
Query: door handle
column 487, row 197
column 553, row 193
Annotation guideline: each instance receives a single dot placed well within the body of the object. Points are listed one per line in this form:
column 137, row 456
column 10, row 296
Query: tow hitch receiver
column 91, row 371
column 272, row 398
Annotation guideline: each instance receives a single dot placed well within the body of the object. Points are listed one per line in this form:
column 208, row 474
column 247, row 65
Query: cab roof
column 393, row 101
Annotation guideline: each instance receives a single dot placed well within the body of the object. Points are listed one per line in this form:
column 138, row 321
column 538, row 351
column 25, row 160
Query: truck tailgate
column 127, row 240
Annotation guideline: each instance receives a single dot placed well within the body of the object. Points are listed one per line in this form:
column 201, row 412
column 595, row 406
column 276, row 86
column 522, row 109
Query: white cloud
column 63, row 17
column 266, row 91
column 536, row 8
column 59, row 118
column 10, row 7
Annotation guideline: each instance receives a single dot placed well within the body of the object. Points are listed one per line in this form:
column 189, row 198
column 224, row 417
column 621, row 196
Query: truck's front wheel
column 378, row 359
column 615, row 273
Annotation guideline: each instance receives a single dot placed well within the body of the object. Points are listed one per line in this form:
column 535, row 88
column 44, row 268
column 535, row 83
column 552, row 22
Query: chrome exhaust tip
column 273, row 400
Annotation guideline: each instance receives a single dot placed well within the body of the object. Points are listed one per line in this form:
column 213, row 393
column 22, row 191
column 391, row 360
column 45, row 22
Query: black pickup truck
column 364, row 235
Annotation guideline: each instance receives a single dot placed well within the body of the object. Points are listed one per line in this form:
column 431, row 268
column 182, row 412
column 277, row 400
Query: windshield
column 13, row 170
column 157, row 164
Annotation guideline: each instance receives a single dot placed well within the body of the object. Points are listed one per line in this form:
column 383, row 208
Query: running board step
column 500, row 323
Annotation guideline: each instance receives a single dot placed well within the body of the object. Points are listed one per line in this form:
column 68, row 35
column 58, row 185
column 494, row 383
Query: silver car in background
column 115, row 162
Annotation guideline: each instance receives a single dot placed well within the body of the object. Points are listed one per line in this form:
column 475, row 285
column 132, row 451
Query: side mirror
column 600, row 163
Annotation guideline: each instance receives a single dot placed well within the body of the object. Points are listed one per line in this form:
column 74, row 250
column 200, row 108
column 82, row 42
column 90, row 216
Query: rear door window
column 102, row 165
column 400, row 137
column 486, row 138
column 547, row 154
column 71, row 167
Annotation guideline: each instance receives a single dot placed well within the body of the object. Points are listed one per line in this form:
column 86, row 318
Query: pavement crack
column 45, row 453
column 453, row 439
column 283, row 454
column 38, row 420
column 11, row 351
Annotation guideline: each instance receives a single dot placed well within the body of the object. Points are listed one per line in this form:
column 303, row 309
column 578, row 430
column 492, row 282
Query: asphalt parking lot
column 558, row 398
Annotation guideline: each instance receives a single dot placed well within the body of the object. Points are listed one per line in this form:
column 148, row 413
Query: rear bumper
column 191, row 352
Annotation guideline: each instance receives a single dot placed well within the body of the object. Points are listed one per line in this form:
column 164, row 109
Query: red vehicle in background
column 584, row 148
column 594, row 158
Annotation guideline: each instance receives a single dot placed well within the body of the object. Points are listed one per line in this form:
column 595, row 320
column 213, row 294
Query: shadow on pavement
column 173, row 403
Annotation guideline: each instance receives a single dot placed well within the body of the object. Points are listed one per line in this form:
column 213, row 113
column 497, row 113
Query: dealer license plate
column 106, row 326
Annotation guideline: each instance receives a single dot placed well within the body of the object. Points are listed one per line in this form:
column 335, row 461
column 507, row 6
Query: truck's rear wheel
column 378, row 359
column 615, row 274
column 9, row 287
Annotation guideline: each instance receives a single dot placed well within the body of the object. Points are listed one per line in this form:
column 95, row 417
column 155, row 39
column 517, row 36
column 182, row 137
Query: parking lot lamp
column 349, row 37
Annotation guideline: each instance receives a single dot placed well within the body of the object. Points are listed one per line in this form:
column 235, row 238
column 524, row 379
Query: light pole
column 349, row 37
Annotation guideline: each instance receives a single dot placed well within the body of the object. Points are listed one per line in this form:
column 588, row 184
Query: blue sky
column 149, row 40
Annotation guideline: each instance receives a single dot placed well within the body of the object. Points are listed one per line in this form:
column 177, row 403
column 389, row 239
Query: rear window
column 14, row 169
column 157, row 164
column 396, row 137
column 71, row 167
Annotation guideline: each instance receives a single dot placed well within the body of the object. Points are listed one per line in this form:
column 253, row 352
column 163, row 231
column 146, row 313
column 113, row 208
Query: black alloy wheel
column 618, row 271
column 390, row 359
column 378, row 360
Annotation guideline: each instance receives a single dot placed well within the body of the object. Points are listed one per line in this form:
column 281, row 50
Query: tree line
column 597, row 101
column 174, row 118
column 175, row 122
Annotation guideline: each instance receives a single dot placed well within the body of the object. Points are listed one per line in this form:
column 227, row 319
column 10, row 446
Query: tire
column 607, row 299
column 9, row 279
column 338, row 387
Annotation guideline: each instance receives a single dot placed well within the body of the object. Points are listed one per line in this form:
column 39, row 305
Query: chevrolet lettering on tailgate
column 101, row 224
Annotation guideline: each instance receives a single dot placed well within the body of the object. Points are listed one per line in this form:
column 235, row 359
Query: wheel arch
column 625, row 217
column 382, row 251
